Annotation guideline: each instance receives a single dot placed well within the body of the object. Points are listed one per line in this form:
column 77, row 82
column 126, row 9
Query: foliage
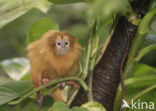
column 102, row 18
column 16, row 68
column 93, row 106
column 12, row 90
column 135, row 90
column 39, row 28
column 10, row 10
column 68, row 1
column 104, row 9
column 60, row 106
column 141, row 84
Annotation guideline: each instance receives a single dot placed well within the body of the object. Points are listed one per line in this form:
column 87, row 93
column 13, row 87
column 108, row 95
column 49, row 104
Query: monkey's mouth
column 63, row 51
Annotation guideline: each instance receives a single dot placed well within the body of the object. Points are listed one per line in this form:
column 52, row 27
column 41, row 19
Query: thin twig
column 52, row 83
column 121, row 69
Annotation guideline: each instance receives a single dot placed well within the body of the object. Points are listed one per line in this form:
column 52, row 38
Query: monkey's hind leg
column 37, row 84
column 57, row 95
column 40, row 98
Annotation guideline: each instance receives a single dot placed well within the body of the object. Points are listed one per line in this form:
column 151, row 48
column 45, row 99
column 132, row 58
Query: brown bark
column 107, row 72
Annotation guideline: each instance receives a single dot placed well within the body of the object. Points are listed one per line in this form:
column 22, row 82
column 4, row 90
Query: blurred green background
column 74, row 19
column 71, row 18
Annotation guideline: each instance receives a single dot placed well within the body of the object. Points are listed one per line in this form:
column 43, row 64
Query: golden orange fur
column 46, row 63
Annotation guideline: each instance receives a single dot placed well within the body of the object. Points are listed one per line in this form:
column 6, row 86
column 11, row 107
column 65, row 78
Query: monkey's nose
column 63, row 51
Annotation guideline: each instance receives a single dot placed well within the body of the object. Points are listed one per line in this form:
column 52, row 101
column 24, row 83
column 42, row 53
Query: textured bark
column 107, row 72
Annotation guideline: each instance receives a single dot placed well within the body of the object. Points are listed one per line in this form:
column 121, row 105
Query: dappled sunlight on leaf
column 94, row 106
column 16, row 68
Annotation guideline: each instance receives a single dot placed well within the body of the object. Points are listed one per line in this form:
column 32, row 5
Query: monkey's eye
column 66, row 43
column 58, row 44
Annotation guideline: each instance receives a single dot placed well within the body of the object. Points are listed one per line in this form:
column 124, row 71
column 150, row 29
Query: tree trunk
column 107, row 72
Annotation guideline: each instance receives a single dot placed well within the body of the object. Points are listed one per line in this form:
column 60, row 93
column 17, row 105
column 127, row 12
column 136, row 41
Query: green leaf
column 140, row 35
column 78, row 109
column 141, row 93
column 94, row 106
column 146, row 22
column 68, row 1
column 141, row 70
column 16, row 68
column 142, row 83
column 141, row 76
column 26, row 77
column 144, row 51
column 60, row 106
column 12, row 90
column 106, row 8
column 12, row 9
column 4, row 107
column 40, row 27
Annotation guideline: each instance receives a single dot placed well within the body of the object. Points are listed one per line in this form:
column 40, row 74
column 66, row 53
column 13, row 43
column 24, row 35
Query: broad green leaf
column 68, row 1
column 142, row 76
column 16, row 68
column 94, row 106
column 146, row 90
column 40, row 27
column 4, row 79
column 60, row 106
column 12, row 9
column 142, row 83
column 141, row 70
column 12, row 90
column 79, row 109
column 26, row 77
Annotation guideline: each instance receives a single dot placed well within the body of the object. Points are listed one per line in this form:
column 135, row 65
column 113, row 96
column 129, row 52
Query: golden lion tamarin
column 55, row 55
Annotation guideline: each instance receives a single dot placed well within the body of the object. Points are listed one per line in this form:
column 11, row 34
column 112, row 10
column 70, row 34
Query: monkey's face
column 62, row 46
column 62, row 43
